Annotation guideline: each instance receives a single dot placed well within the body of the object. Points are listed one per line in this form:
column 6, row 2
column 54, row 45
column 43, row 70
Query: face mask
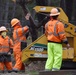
column 4, row 34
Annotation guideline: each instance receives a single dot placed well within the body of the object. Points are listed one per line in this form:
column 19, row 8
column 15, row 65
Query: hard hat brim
column 54, row 14
column 14, row 24
column 3, row 30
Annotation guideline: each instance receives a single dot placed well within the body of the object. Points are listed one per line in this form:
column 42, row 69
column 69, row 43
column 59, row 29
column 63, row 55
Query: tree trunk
column 67, row 6
column 63, row 4
column 6, row 12
column 74, row 13
column 13, row 11
column 41, row 3
column 1, row 12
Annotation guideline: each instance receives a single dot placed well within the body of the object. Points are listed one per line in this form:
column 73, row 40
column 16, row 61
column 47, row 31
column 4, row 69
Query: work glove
column 9, row 53
column 27, row 16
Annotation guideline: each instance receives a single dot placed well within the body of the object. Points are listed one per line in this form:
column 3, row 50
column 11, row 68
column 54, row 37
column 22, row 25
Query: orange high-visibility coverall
column 5, row 45
column 18, row 36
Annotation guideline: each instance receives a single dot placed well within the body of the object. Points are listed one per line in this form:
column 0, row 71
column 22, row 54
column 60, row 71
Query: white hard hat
column 3, row 28
column 54, row 12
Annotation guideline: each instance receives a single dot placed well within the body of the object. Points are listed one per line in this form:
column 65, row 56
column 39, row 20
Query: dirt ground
column 36, row 66
column 32, row 69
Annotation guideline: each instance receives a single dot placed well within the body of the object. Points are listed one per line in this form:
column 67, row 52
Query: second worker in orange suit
column 19, row 40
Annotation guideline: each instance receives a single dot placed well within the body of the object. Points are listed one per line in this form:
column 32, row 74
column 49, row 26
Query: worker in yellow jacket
column 6, row 48
column 54, row 30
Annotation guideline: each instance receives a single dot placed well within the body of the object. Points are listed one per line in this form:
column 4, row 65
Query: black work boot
column 9, row 71
column 15, row 71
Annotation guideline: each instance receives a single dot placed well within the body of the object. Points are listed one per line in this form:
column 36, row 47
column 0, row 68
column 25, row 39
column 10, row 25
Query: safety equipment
column 55, row 31
column 14, row 21
column 54, row 12
column 3, row 28
column 7, row 64
column 5, row 44
column 5, row 59
column 4, row 34
column 19, row 36
column 54, row 56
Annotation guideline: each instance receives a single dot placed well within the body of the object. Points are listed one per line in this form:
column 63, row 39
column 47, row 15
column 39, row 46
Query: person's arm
column 21, row 31
column 62, row 35
column 46, row 33
column 24, row 29
column 27, row 17
column 11, row 46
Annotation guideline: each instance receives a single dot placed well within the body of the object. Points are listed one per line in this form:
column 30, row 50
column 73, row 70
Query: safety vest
column 54, row 32
column 20, row 38
column 4, row 45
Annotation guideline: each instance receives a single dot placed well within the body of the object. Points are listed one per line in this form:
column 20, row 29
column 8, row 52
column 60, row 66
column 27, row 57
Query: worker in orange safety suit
column 6, row 48
column 19, row 41
column 54, row 30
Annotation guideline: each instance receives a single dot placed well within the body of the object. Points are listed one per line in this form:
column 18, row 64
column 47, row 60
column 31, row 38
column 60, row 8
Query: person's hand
column 27, row 16
column 68, row 46
column 9, row 53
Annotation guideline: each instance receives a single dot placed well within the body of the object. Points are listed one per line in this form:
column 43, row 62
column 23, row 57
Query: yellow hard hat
column 3, row 28
column 54, row 12
column 14, row 21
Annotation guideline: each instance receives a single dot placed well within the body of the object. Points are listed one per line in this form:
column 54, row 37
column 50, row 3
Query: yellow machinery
column 37, row 50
